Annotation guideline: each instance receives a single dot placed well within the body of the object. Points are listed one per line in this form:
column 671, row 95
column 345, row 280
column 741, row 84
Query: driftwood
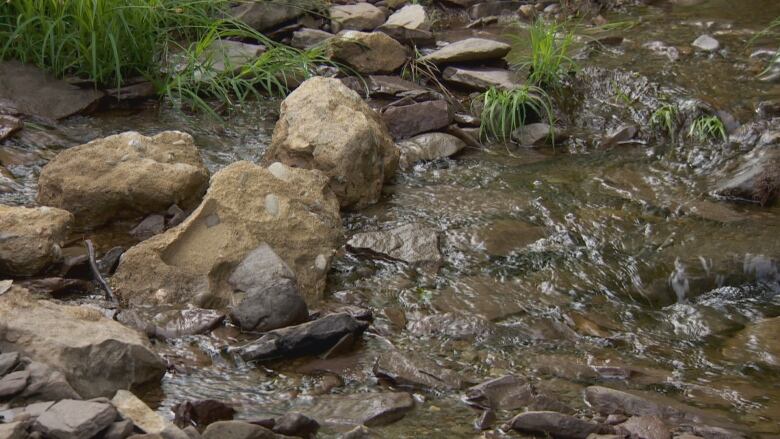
column 96, row 272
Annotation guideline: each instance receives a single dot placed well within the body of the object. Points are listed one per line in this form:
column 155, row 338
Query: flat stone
column 13, row 383
column 7, row 362
column 238, row 430
column 470, row 49
column 8, row 126
column 620, row 134
column 45, row 384
column 369, row 409
column 228, row 55
column 263, row 16
column 535, row 135
column 310, row 338
column 504, row 393
column 150, row 226
column 70, row 419
column 36, row 93
column 416, row 372
column 307, row 38
column 755, row 178
column 411, row 243
column 481, row 78
column 119, row 430
column 409, row 120
column 130, row 407
column 494, row 8
column 706, row 43
column 646, row 427
column 368, row 52
column 360, row 16
column 14, row 430
column 410, row 17
column 554, row 424
column 429, row 146
column 383, row 85
column 28, row 412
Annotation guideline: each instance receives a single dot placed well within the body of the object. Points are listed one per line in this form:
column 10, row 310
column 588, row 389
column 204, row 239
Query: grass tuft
column 504, row 111
column 548, row 62
column 708, row 127
column 666, row 118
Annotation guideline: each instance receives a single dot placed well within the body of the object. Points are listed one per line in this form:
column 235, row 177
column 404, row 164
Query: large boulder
column 360, row 16
column 470, row 49
column 31, row 238
column 127, row 175
column 351, row 145
column 292, row 210
column 368, row 52
column 98, row 356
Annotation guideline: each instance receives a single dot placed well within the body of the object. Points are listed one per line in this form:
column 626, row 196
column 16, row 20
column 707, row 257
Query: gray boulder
column 71, row 419
column 409, row 120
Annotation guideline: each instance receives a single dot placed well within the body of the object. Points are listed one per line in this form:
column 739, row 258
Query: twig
column 96, row 272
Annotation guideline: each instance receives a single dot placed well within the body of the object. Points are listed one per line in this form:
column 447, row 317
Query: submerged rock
column 351, row 146
column 368, row 52
column 706, row 43
column 756, row 178
column 31, row 239
column 429, row 146
column 645, row 427
column 360, row 16
column 416, row 372
column 415, row 244
column 296, row 424
column 504, row 393
column 409, row 120
column 97, row 355
column 369, row 409
column 481, row 78
column 127, row 175
column 757, row 343
column 554, row 424
column 310, row 338
column 33, row 92
column 291, row 210
column 470, row 49
column 202, row 413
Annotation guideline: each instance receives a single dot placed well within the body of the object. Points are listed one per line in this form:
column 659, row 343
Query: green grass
column 166, row 41
column 772, row 32
column 504, row 111
column 548, row 60
column 708, row 128
column 420, row 71
column 665, row 118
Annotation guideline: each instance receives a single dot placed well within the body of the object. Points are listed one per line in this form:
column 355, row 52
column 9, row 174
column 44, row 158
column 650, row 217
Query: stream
column 554, row 259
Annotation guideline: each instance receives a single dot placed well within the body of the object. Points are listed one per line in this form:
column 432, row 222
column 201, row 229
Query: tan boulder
column 30, row 238
column 292, row 210
column 127, row 175
column 351, row 145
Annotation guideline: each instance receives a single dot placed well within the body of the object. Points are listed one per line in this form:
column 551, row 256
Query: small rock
column 481, row 78
column 310, row 338
column 296, row 424
column 70, row 419
column 360, row 16
column 307, row 38
column 237, row 430
column 554, row 424
column 756, row 179
column 368, row 52
column 369, row 409
column 485, row 420
column 26, row 413
column 470, row 49
column 8, row 126
column 45, row 384
column 646, row 427
column 429, row 146
column 411, row 243
column 504, row 393
column 108, row 263
column 706, row 43
column 13, row 383
column 201, row 413
column 7, row 362
column 227, row 55
column 150, row 226
column 263, row 16
column 416, row 372
column 494, row 8
column 130, row 407
column 119, row 430
column 535, row 135
column 618, row 135
column 409, row 120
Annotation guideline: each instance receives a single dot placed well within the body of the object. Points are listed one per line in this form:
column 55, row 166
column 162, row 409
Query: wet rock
column 554, row 424
column 413, row 243
column 504, row 393
column 150, row 226
column 408, row 370
column 133, row 92
column 31, row 238
column 124, row 176
column 610, row 401
column 246, row 205
column 663, row 49
column 130, row 407
column 307, row 38
column 70, row 419
column 8, row 126
column 271, row 298
column 450, row 324
column 108, row 262
column 620, row 134
column 368, row 52
column 535, row 135
column 470, row 49
column 202, row 413
column 481, row 78
column 360, row 16
column 756, row 134
column 429, row 146
column 172, row 323
column 14, row 430
column 13, row 383
column 646, row 427
column 352, row 147
column 755, row 179
column 296, row 424
column 369, row 409
column 119, row 430
column 756, row 343
column 310, row 338
column 409, row 120
column 485, row 420
column 97, row 355
column 36, row 93
column 8, row 361
column 238, row 430
column 263, row 16
column 706, row 43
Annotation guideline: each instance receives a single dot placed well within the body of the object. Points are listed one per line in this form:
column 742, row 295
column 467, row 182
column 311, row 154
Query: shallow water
column 582, row 255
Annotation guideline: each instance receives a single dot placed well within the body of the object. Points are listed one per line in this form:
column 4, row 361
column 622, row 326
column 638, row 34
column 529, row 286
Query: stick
column 96, row 272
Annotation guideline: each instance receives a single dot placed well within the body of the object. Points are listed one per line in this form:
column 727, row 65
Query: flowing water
column 552, row 259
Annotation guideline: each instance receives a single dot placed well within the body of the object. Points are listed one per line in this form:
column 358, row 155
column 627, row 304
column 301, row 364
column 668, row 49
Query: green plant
column 708, row 127
column 665, row 118
column 548, row 61
column 772, row 31
column 419, row 70
column 504, row 111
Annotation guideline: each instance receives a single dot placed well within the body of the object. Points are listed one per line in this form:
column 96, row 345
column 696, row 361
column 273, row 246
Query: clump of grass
column 771, row 31
column 504, row 111
column 708, row 127
column 548, row 61
column 419, row 70
column 666, row 118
